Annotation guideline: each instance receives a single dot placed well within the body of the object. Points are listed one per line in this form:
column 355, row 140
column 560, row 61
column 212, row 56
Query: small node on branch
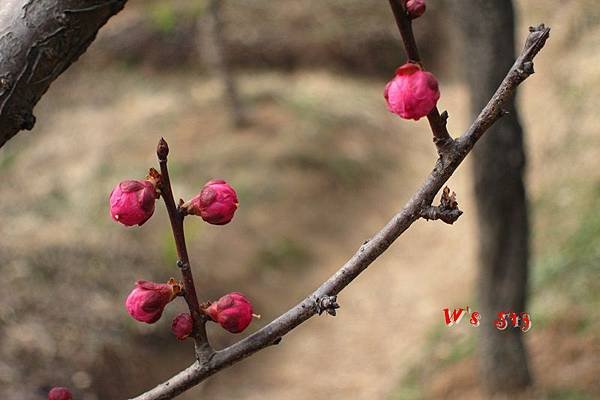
column 27, row 121
column 447, row 211
column 328, row 304
column 162, row 150
column 4, row 84
column 526, row 69
column 183, row 265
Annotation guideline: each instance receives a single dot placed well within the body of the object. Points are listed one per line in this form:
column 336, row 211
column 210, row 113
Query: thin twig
column 203, row 349
column 437, row 122
column 370, row 250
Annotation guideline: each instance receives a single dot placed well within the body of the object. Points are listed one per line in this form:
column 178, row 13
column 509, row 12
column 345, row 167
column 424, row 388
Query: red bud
column 232, row 311
column 412, row 93
column 216, row 203
column 132, row 202
column 182, row 326
column 147, row 300
column 60, row 393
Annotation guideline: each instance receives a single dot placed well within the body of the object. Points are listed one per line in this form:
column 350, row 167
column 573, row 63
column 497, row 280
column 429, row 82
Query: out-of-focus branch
column 221, row 65
column 371, row 249
column 437, row 121
column 203, row 349
column 39, row 40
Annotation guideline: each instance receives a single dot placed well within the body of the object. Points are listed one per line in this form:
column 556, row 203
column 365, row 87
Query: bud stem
column 176, row 219
column 441, row 137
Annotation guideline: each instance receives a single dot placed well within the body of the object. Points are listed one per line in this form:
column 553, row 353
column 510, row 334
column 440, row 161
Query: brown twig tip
column 447, row 211
column 536, row 39
column 162, row 150
column 444, row 116
column 328, row 304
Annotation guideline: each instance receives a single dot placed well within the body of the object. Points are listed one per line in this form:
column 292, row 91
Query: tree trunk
column 499, row 163
column 217, row 57
column 39, row 40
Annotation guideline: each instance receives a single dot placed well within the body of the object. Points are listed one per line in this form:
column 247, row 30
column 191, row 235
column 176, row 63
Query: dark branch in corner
column 447, row 211
column 437, row 121
column 415, row 208
column 31, row 59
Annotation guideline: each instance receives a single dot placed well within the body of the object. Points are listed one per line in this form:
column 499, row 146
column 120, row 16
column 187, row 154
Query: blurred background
column 319, row 165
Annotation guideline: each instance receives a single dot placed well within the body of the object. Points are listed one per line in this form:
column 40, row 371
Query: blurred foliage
column 411, row 387
column 350, row 36
column 443, row 349
column 163, row 17
column 282, row 254
column 568, row 394
column 166, row 15
column 567, row 277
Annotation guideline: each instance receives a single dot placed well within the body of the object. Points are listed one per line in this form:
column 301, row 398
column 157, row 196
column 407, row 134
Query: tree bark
column 499, row 164
column 39, row 40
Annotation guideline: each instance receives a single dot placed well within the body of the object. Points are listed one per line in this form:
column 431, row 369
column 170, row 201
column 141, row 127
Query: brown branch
column 437, row 121
column 176, row 217
column 370, row 250
column 39, row 40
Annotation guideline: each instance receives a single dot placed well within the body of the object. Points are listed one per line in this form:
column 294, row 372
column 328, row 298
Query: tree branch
column 370, row 250
column 437, row 122
column 39, row 40
column 203, row 349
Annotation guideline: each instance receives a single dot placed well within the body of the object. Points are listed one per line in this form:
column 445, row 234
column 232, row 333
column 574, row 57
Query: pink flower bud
column 147, row 300
column 216, row 203
column 232, row 311
column 182, row 326
column 415, row 8
column 132, row 202
column 412, row 93
column 60, row 393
